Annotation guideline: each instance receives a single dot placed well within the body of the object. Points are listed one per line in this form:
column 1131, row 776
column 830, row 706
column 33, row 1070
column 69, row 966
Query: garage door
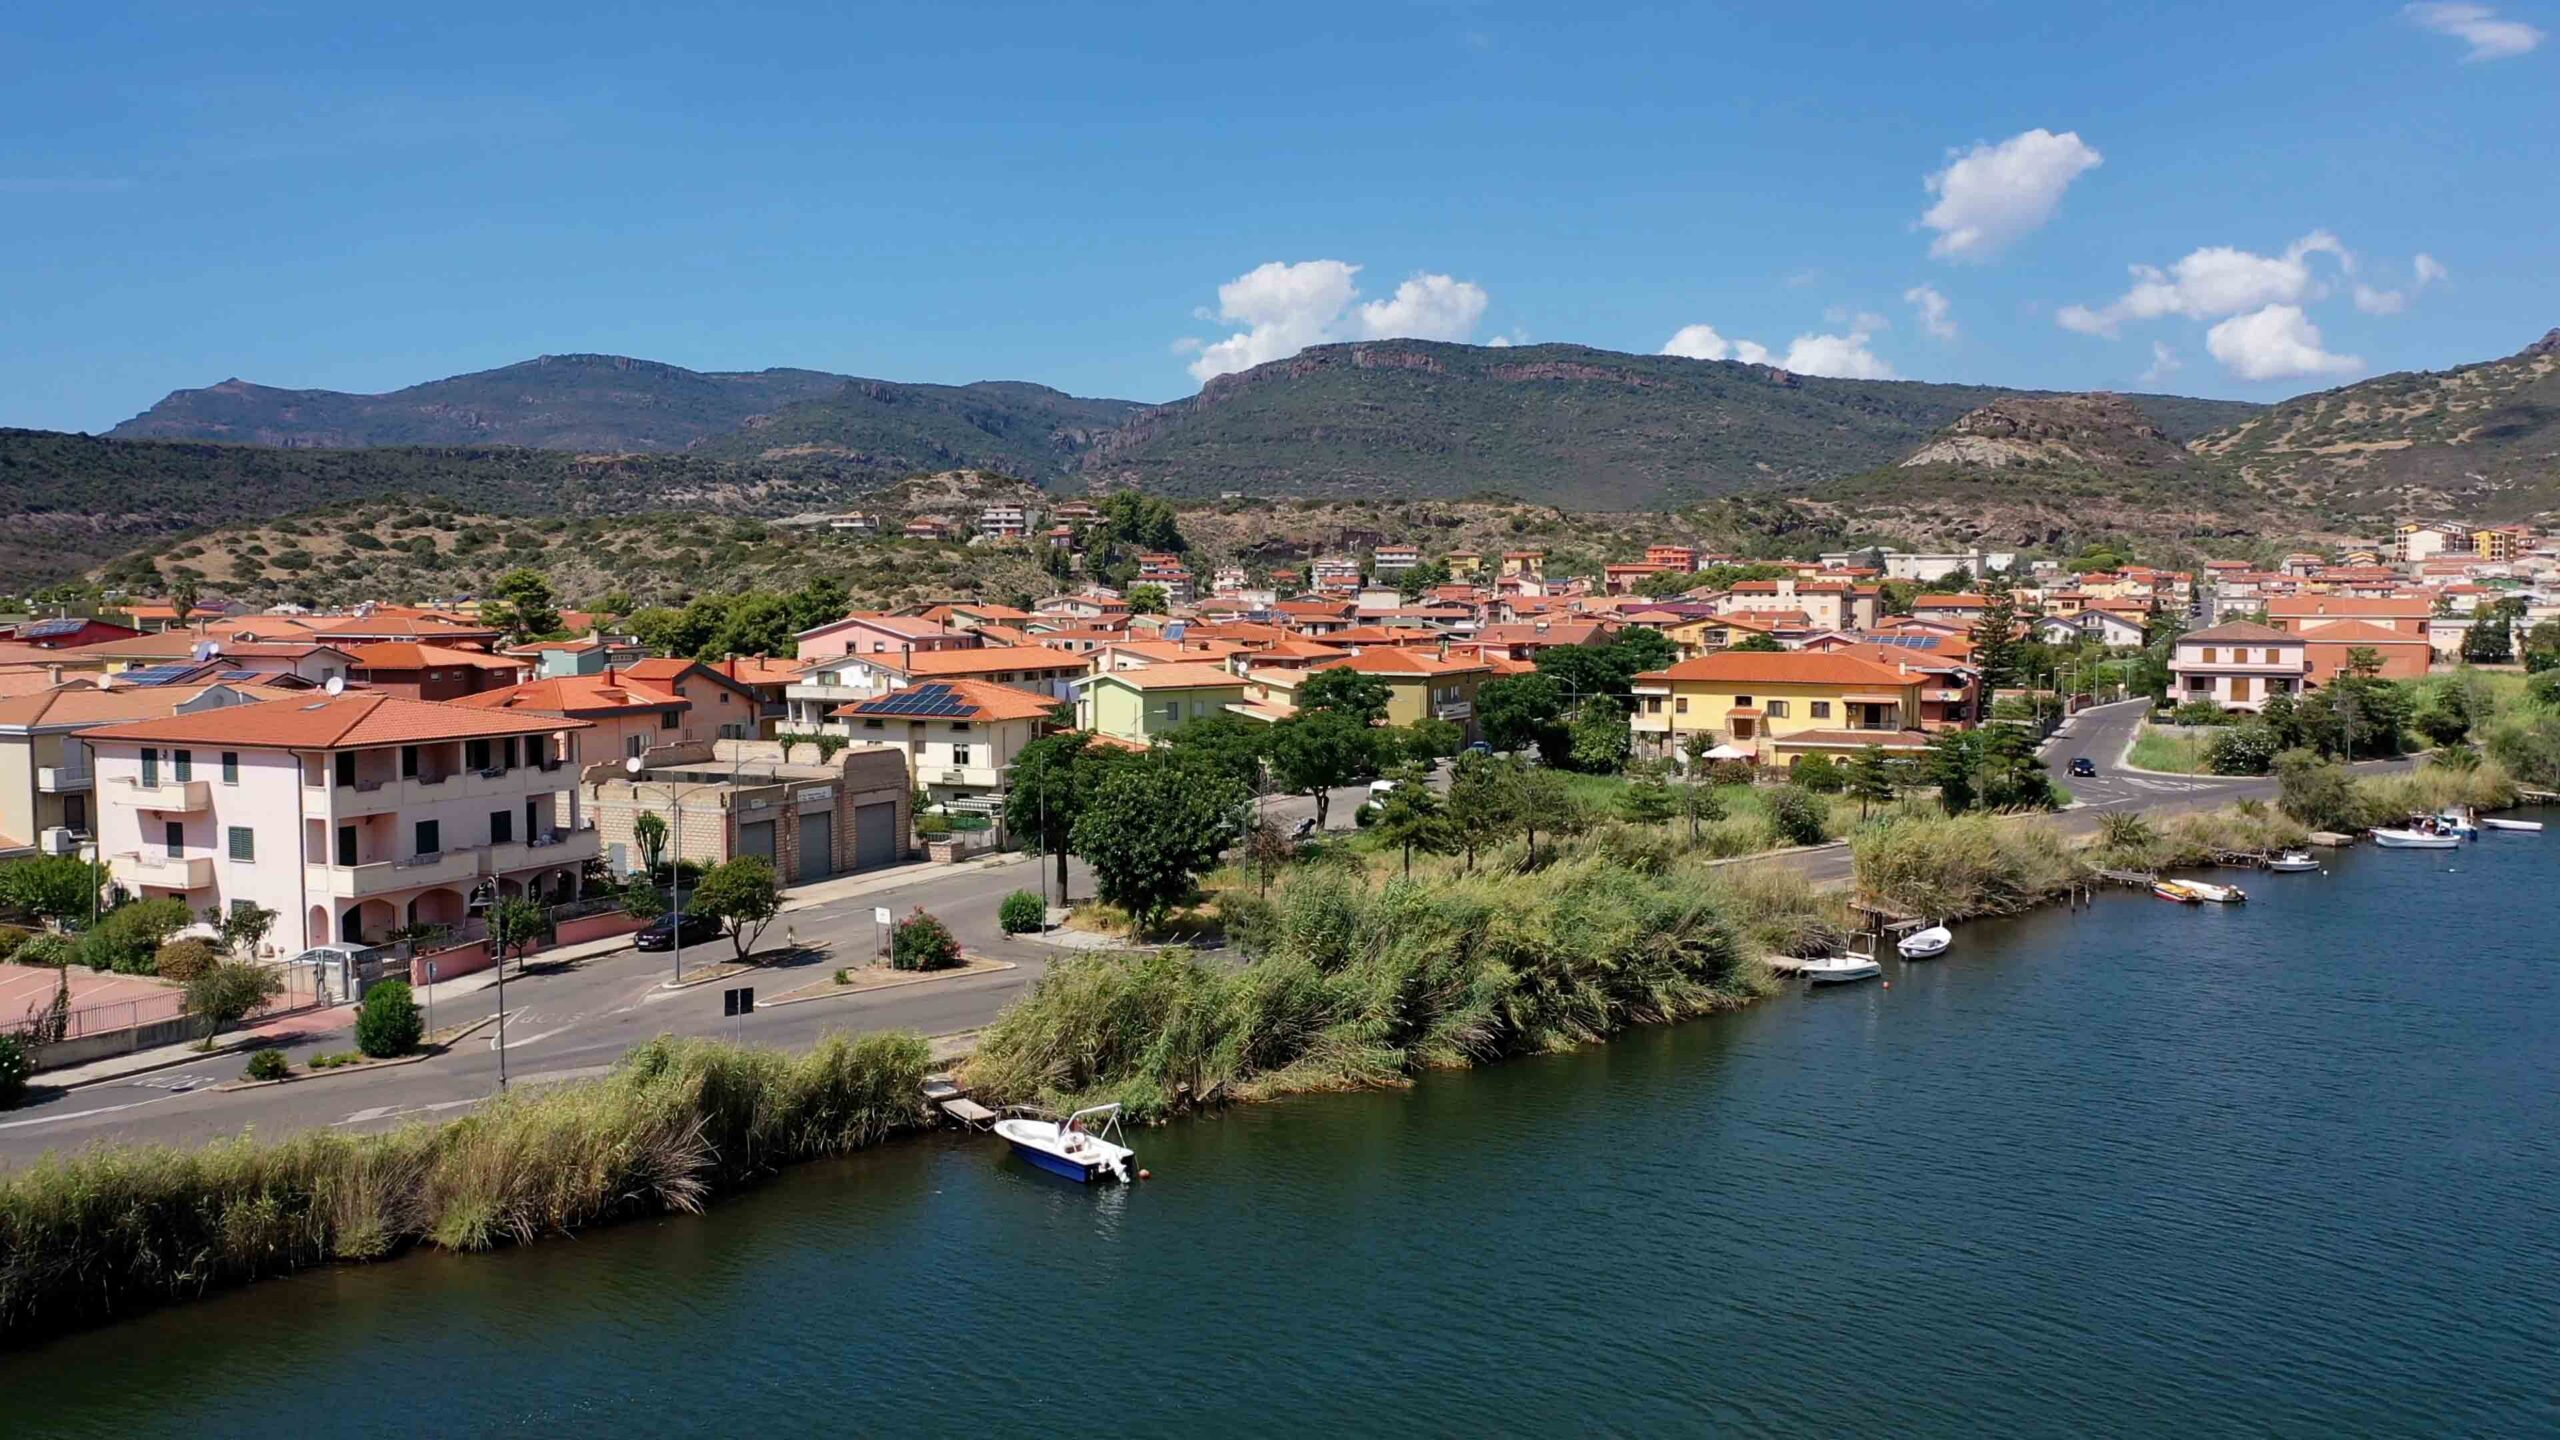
column 817, row 845
column 875, row 835
column 756, row 838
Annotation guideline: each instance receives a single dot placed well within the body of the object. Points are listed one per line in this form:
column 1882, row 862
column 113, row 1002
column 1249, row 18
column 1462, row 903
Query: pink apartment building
column 348, row 815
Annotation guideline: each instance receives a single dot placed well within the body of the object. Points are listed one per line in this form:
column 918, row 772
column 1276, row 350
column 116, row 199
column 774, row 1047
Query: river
column 2282, row 1169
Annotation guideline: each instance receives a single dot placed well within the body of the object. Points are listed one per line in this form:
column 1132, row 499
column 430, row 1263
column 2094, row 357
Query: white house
column 2238, row 665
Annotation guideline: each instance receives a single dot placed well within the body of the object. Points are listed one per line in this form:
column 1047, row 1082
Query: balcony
column 64, row 779
column 556, row 847
column 161, row 870
column 1454, row 710
column 174, row 797
column 349, row 882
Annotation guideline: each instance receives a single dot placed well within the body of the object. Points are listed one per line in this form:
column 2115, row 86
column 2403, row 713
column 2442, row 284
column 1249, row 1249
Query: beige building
column 811, row 817
column 48, row 790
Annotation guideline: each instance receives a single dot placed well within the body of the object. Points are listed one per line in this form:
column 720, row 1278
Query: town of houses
column 370, row 772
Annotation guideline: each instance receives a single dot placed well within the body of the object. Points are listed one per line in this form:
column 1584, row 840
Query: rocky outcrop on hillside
column 2052, row 431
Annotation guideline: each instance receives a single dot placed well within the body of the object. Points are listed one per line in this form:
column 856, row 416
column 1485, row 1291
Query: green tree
column 1539, row 796
column 227, row 992
column 1868, row 779
column 2249, row 748
column 1053, row 777
column 1152, row 829
column 1756, row 644
column 127, row 939
column 1797, row 815
column 1483, row 790
column 756, row 623
column 923, row 942
column 743, row 895
column 55, row 888
column 1518, row 712
column 1996, row 651
column 2542, row 647
column 821, row 600
column 516, row 926
column 2489, row 640
column 1226, row 742
column 1599, row 740
column 1664, row 584
column 183, row 597
column 241, row 928
column 1411, row 818
column 1344, row 691
column 530, row 609
column 1819, row 774
column 649, row 832
column 1315, row 751
column 1428, row 575
column 387, row 1023
column 1429, row 739
column 1147, row 600
column 1647, row 800
column 2316, row 792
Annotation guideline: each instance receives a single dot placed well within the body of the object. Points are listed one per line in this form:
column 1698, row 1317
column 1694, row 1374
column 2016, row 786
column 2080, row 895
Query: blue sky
column 321, row 196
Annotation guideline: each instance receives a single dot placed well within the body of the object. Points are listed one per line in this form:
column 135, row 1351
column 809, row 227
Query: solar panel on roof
column 157, row 674
column 47, row 629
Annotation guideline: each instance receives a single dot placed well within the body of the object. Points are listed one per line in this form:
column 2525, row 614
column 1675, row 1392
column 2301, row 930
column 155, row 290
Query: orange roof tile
column 607, row 692
column 980, row 660
column 1175, row 677
column 411, row 655
column 1784, row 667
column 336, row 722
column 1388, row 661
column 987, row 703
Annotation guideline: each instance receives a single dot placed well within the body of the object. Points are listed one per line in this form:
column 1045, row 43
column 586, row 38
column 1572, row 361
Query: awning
column 1873, row 699
column 1730, row 752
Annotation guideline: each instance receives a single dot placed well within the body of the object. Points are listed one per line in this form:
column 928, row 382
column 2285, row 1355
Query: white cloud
column 1506, row 341
column 2278, row 342
column 1287, row 307
column 1701, row 342
column 2214, row 281
column 1936, row 316
column 1992, row 194
column 1844, row 356
column 2164, row 363
column 2424, row 270
column 2489, row 37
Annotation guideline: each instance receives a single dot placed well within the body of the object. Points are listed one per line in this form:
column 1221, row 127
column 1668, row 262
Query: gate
column 817, row 845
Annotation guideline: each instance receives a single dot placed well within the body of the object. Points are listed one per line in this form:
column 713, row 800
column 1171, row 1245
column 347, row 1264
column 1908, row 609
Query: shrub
column 388, row 1023
column 1022, row 912
column 1797, row 816
column 127, row 939
column 11, row 937
column 2245, row 749
column 332, row 1062
column 921, row 942
column 843, row 976
column 47, row 949
column 1819, row 774
column 267, row 1065
column 15, row 1067
column 185, row 958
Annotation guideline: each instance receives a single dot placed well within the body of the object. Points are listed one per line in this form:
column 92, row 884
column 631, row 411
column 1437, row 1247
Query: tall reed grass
column 1965, row 865
column 1354, row 984
column 92, row 1235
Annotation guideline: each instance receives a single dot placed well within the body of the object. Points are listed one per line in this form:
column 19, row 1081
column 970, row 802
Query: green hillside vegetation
column 2481, row 441
column 558, row 402
column 874, row 426
column 1409, row 418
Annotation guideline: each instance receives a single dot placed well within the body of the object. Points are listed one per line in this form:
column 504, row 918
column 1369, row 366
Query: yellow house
column 1708, row 633
column 1524, row 564
column 1464, row 564
column 1142, row 706
column 1750, row 699
column 1422, row 685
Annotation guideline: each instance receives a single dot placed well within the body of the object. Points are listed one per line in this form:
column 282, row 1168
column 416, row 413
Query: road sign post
column 880, row 923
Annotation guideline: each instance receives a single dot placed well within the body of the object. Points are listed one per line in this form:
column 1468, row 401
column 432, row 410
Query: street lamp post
column 635, row 768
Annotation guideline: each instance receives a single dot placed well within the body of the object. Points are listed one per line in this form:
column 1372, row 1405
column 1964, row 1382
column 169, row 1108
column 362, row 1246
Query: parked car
column 1381, row 789
column 660, row 934
column 2084, row 766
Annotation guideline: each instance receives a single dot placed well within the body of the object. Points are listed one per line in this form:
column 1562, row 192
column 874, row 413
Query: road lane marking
column 84, row 1114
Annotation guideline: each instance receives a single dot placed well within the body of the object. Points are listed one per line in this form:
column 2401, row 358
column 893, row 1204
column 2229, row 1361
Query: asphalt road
column 573, row 1022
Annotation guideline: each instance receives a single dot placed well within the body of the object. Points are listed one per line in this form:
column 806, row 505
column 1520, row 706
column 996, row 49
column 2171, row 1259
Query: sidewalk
column 281, row 1031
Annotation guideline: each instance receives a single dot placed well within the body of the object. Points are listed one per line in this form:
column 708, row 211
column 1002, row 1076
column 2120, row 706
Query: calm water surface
column 2285, row 1169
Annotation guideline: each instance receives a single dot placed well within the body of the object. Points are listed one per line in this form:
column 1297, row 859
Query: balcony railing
column 177, row 797
column 159, row 868
column 64, row 779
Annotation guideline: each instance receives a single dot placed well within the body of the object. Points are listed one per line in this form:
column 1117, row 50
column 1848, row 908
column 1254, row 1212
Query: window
column 667, row 720
column 244, row 843
column 346, row 845
column 631, row 745
column 1821, row 709
column 475, row 754
column 173, row 838
column 346, row 767
column 960, row 754
column 408, row 762
column 150, row 767
column 1741, row 702
column 1653, row 704
column 871, row 725
column 182, row 763
column 230, row 767
column 1777, row 709
column 511, row 752
column 2209, row 654
column 502, row 826
column 430, row 837
column 1680, row 705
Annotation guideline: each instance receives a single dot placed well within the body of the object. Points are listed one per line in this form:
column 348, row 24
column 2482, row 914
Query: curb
column 236, row 1047
column 997, row 968
column 393, row 1063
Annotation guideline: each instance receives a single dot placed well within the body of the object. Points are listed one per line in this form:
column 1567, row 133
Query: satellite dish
column 337, row 685
column 633, row 766
column 204, row 650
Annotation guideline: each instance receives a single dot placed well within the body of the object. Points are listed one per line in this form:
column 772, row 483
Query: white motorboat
column 1926, row 944
column 1083, row 1147
column 2457, row 822
column 2528, row 826
column 2390, row 838
column 2294, row 862
column 2218, row 894
column 1839, row 969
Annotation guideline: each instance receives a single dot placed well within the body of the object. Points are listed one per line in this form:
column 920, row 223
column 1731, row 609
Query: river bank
column 1358, row 981
column 2266, row 1170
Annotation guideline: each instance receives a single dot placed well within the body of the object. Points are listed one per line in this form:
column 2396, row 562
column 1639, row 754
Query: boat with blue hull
column 1084, row 1147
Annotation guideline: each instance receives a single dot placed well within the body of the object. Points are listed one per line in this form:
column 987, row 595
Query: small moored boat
column 2218, row 894
column 1083, row 1147
column 1926, row 944
column 2177, row 890
column 2523, row 825
column 2393, row 838
column 2294, row 862
column 1839, row 969
column 2457, row 822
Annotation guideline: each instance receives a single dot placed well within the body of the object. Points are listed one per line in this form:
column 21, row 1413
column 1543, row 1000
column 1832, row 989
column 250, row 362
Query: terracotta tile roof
column 988, row 703
column 1784, row 667
column 412, row 627
column 2241, row 632
column 83, row 704
column 761, row 669
column 980, row 660
column 607, row 692
column 2356, row 632
column 336, row 722
column 1175, row 677
column 2305, row 607
column 1552, row 632
column 411, row 655
column 1388, row 661
column 1174, row 651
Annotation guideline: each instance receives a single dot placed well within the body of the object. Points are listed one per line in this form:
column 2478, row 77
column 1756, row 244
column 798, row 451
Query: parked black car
column 660, row 934
column 2083, row 765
